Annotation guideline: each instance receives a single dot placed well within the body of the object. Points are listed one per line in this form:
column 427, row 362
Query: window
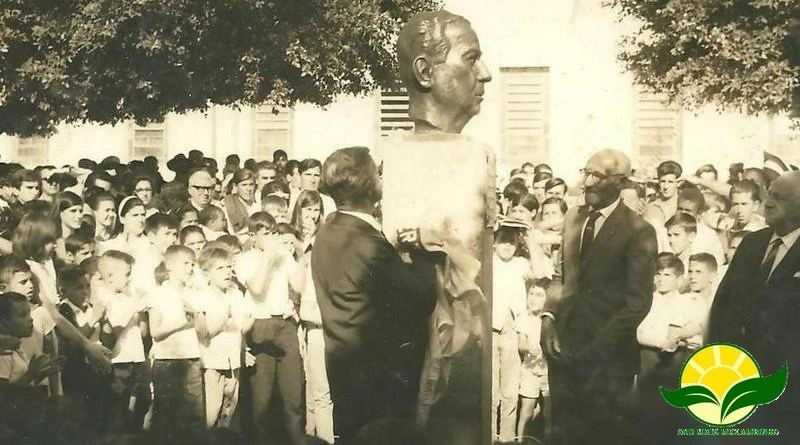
column 525, row 115
column 32, row 151
column 272, row 128
column 394, row 112
column 149, row 140
column 656, row 127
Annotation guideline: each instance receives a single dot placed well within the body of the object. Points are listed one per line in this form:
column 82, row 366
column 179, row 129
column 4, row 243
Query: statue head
column 440, row 65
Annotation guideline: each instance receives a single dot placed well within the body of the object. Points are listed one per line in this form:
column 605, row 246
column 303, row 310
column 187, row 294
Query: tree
column 742, row 55
column 110, row 60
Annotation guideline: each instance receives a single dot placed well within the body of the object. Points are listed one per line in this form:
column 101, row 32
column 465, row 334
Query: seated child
column 17, row 367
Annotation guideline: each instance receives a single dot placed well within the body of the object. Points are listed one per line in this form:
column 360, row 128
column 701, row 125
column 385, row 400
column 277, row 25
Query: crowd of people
column 137, row 306
column 698, row 221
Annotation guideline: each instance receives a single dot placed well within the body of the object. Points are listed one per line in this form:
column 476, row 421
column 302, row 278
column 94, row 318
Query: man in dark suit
column 589, row 330
column 757, row 305
column 374, row 306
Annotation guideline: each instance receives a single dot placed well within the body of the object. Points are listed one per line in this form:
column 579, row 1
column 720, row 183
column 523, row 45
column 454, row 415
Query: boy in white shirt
column 702, row 287
column 175, row 323
column 268, row 270
column 17, row 367
column 124, row 314
column 221, row 346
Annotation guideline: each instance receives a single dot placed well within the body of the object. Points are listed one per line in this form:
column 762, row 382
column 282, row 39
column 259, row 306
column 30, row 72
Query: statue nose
column 483, row 73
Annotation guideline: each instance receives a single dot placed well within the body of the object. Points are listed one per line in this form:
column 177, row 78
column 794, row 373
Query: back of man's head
column 350, row 177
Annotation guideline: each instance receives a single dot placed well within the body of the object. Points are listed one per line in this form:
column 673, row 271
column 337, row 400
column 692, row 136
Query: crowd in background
column 699, row 220
column 133, row 305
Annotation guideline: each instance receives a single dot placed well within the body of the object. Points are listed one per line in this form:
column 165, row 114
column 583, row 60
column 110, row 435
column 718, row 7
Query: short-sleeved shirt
column 124, row 312
column 167, row 303
column 509, row 292
column 277, row 302
column 14, row 366
column 223, row 351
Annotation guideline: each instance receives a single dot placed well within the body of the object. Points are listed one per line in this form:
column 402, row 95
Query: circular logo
column 721, row 385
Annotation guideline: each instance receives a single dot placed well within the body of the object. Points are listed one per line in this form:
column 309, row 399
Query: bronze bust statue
column 439, row 57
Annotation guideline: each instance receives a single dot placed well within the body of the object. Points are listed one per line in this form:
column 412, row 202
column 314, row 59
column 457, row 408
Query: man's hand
column 99, row 357
column 8, row 344
column 551, row 346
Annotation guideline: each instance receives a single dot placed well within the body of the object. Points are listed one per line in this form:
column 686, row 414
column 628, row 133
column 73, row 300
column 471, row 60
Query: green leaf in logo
column 688, row 396
column 755, row 391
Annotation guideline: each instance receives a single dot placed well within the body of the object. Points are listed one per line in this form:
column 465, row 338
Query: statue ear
column 423, row 72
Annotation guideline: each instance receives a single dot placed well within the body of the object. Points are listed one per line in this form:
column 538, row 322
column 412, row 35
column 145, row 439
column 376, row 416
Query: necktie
column 588, row 233
column 769, row 260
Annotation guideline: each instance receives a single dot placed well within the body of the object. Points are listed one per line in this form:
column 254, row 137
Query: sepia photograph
column 400, row 222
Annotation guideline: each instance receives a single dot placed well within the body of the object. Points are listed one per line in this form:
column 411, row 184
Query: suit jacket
column 605, row 296
column 763, row 318
column 374, row 306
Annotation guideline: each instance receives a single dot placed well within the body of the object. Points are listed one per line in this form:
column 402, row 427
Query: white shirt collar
column 789, row 239
column 75, row 308
column 366, row 217
column 606, row 211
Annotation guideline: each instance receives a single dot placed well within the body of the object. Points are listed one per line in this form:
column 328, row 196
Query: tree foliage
column 105, row 61
column 735, row 54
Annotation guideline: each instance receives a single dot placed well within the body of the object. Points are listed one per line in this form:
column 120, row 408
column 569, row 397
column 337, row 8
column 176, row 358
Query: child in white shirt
column 177, row 374
column 18, row 367
column 221, row 341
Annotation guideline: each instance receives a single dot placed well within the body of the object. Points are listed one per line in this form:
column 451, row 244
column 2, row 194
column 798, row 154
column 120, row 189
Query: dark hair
column 70, row 275
column 243, row 174
column 543, row 168
column 308, row 164
column 95, row 195
column 507, row 235
column 64, row 201
column 555, row 182
column 668, row 260
column 157, row 221
column 669, row 168
column 747, row 186
column 350, row 177
column 231, row 242
column 306, row 198
column 705, row 258
column 143, row 177
column 716, row 199
column 7, row 302
column 260, row 220
column 10, row 265
column 211, row 255
column 694, row 196
column 21, row 176
column 90, row 265
column 514, row 191
column 562, row 205
column 118, row 256
column 188, row 230
column 628, row 184
column 34, row 231
column 707, row 168
column 542, row 176
column 74, row 242
column 181, row 211
column 210, row 213
column 286, row 229
column 528, row 201
column 265, row 165
column 273, row 200
column 126, row 205
column 684, row 221
column 273, row 187
column 291, row 166
column 279, row 153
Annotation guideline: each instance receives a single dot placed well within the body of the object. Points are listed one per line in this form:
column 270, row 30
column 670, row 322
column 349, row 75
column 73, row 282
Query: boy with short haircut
column 17, row 367
column 268, row 270
column 213, row 221
column 277, row 208
column 745, row 201
column 175, row 322
column 16, row 276
column 125, row 317
column 79, row 246
column 681, row 233
column 221, row 346
column 162, row 231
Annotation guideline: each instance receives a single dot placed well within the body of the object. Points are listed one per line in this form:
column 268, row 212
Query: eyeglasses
column 201, row 188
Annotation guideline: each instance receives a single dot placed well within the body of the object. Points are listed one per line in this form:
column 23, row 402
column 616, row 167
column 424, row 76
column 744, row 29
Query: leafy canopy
column 110, row 60
column 741, row 55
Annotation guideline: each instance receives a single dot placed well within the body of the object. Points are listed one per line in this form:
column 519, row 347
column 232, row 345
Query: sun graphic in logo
column 721, row 385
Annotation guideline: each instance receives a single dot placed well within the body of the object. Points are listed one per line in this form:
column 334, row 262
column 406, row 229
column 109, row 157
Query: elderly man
column 373, row 305
column 757, row 305
column 589, row 333
column 201, row 189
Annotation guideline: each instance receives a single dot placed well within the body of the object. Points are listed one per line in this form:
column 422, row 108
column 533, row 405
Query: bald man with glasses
column 201, row 189
column 589, row 324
